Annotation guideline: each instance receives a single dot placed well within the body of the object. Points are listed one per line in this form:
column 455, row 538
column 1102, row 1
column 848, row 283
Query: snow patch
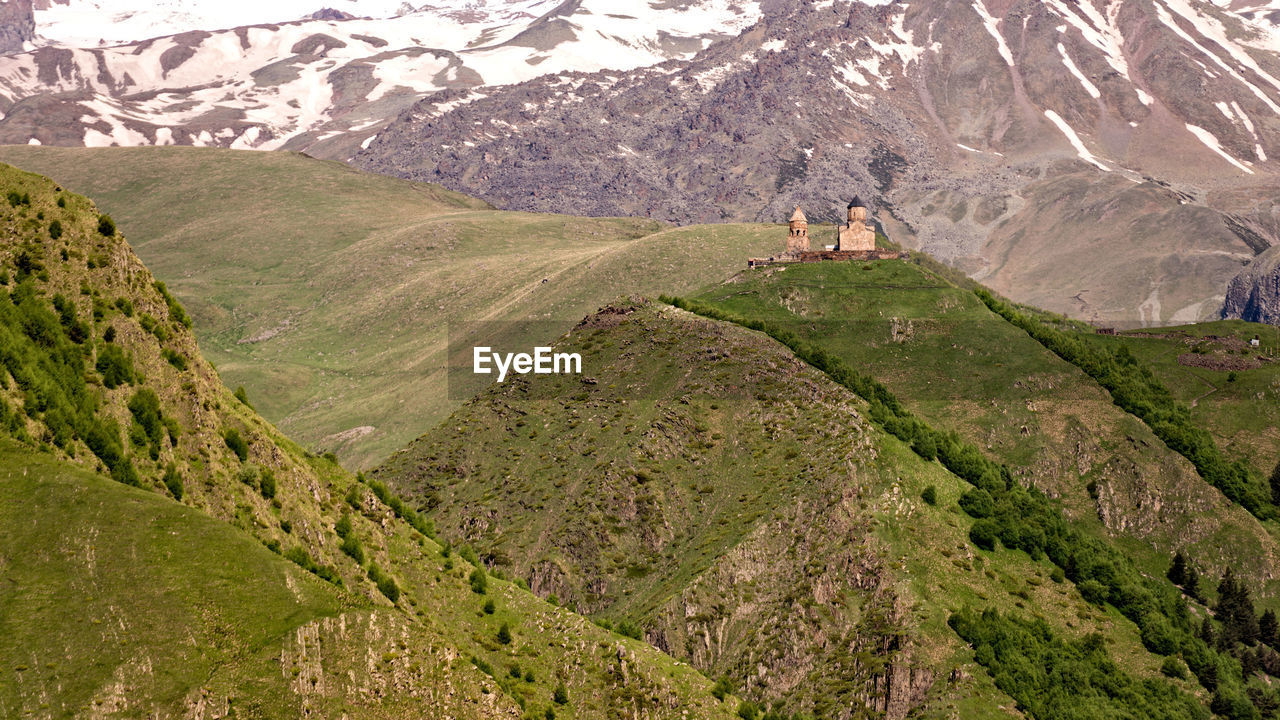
column 993, row 27
column 1211, row 141
column 1089, row 87
column 1075, row 140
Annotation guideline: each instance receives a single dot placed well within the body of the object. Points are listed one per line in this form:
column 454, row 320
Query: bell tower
column 798, row 237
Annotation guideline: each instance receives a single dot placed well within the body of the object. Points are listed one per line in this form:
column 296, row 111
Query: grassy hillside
column 224, row 569
column 963, row 368
column 1232, row 389
column 735, row 506
column 330, row 294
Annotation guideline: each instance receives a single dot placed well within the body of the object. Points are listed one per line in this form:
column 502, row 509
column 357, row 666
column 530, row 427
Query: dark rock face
column 330, row 14
column 17, row 25
column 1254, row 294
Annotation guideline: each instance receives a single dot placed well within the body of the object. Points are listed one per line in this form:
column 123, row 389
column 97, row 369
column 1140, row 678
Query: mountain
column 167, row 552
column 1254, row 294
column 330, row 294
column 701, row 486
column 17, row 26
column 1019, row 141
column 324, row 86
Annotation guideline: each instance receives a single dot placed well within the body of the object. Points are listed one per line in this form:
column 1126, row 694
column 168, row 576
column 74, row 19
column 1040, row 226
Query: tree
column 1268, row 629
column 1192, row 584
column 106, row 226
column 1178, row 570
column 55, row 230
column 1275, row 484
column 504, row 634
column 560, row 695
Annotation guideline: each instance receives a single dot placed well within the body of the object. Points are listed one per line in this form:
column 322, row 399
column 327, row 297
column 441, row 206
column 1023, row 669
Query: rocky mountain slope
column 1109, row 160
column 1254, row 294
column 325, row 86
column 167, row 552
column 739, row 509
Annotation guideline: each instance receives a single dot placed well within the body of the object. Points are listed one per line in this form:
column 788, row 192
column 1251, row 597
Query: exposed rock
column 1254, row 294
column 17, row 25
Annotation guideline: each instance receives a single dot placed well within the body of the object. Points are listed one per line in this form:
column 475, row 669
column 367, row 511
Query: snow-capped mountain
column 320, row 85
column 1112, row 159
column 90, row 23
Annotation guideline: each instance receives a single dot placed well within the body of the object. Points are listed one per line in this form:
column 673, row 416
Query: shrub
column 173, row 481
column 722, row 688
column 106, row 226
column 479, row 581
column 504, row 634
column 232, row 438
column 930, row 495
column 243, row 397
column 560, row 695
column 351, row 546
column 984, row 534
column 748, row 710
column 175, row 358
column 386, row 584
column 1173, row 667
column 489, row 608
column 114, row 366
column 343, row 526
column 55, row 230
column 267, row 483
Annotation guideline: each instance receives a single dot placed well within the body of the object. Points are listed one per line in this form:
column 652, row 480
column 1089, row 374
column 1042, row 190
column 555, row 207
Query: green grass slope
column 252, row 578
column 963, row 368
column 1231, row 388
column 705, row 488
column 329, row 294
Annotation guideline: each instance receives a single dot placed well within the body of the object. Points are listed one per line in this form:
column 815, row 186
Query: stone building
column 798, row 237
column 854, row 241
column 857, row 235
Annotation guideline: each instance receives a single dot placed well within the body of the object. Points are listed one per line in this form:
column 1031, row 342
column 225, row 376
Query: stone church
column 855, row 240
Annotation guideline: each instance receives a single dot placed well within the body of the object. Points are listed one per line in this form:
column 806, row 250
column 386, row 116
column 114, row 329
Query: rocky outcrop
column 1254, row 294
column 17, row 25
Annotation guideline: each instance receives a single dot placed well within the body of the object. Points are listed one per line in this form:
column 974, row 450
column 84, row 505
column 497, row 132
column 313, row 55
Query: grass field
column 1241, row 407
column 329, row 294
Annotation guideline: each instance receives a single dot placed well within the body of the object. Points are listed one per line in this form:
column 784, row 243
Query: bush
column 174, row 358
column 173, row 481
column 489, row 608
column 243, row 397
column 343, row 526
column 267, row 483
column 504, row 634
column 930, row 495
column 479, row 581
column 722, row 688
column 748, row 710
column 114, row 366
column 1174, row 668
column 386, row 584
column 106, row 226
column 55, row 230
column 984, row 534
column 560, row 695
column 232, row 438
column 351, row 546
